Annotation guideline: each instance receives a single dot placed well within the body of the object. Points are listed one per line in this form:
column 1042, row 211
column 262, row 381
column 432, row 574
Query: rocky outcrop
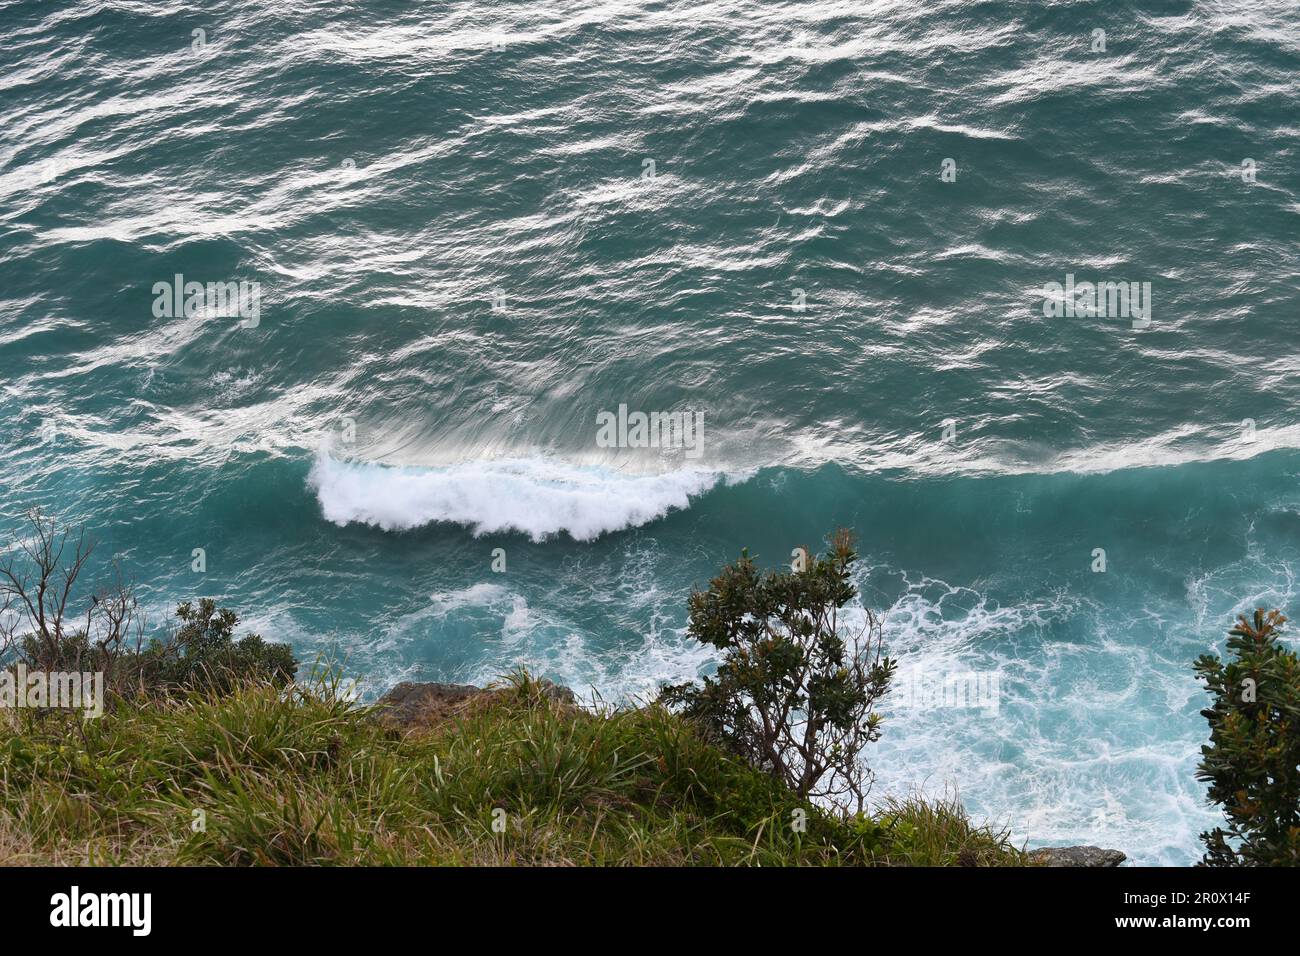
column 1076, row 856
column 415, row 704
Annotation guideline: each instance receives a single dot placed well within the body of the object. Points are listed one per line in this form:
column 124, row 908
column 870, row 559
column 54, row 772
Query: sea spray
column 538, row 497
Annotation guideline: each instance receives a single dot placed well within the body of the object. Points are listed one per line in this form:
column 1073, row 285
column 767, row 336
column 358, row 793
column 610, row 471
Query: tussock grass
column 264, row 776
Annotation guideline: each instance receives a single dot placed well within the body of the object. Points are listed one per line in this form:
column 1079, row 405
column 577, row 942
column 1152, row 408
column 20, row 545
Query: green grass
column 307, row 778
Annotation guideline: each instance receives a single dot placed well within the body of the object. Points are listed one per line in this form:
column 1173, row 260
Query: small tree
column 796, row 689
column 1252, row 761
column 46, row 625
column 40, row 622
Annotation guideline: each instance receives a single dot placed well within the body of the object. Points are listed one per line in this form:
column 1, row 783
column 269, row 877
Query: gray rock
column 1076, row 856
column 557, row 692
column 411, row 700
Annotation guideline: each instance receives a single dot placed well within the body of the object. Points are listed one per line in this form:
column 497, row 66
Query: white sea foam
column 541, row 498
column 509, row 634
column 596, row 671
column 1094, row 740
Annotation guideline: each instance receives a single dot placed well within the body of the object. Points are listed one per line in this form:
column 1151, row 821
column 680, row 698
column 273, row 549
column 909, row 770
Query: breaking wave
column 537, row 497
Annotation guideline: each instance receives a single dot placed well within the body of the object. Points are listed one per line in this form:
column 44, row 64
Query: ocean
column 850, row 243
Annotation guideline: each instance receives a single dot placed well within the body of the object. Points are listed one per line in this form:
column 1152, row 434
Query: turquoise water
column 463, row 260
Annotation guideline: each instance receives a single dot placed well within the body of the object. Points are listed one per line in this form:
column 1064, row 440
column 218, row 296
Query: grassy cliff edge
column 513, row 776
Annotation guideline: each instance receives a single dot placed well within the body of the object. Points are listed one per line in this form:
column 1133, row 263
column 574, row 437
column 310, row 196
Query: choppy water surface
column 475, row 226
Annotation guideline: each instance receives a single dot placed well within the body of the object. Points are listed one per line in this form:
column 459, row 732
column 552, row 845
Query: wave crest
column 537, row 497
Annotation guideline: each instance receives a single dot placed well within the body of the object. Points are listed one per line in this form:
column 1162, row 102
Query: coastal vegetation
column 261, row 775
column 209, row 752
column 1252, row 762
column 796, row 689
column 213, row 749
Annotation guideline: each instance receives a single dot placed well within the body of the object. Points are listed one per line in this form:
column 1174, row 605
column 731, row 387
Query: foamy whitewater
column 538, row 498
column 844, row 238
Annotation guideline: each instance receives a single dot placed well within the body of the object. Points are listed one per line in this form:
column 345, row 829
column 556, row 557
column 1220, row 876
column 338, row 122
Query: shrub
column 203, row 654
column 795, row 692
column 48, row 626
column 1252, row 761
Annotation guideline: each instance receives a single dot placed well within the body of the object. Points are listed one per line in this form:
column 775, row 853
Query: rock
column 557, row 692
column 1076, row 856
column 413, row 703
column 410, row 701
